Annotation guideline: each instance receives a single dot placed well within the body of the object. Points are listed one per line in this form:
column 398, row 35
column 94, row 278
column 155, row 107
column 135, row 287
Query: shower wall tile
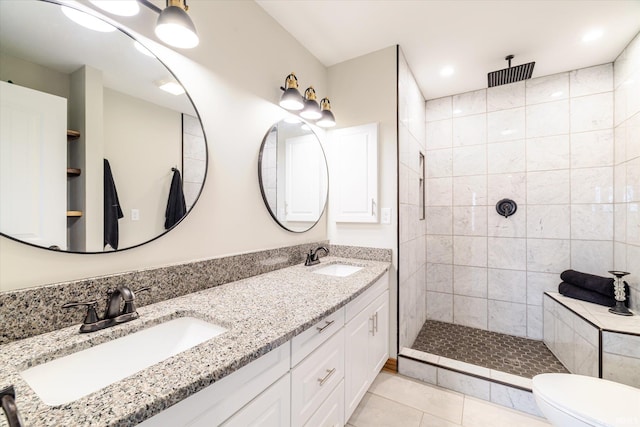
column 592, row 112
column 438, row 109
column 440, row 306
column 592, row 256
column 470, row 160
column 439, row 134
column 470, row 103
column 471, row 251
column 508, row 318
column 514, row 226
column 470, row 130
column 507, row 253
column 592, row 222
column 592, row 149
column 551, row 118
column 548, row 88
column 469, row 311
column 506, row 185
column 470, row 281
column 550, row 187
column 507, row 285
column 506, row 125
column 440, row 220
column 506, row 157
column 506, row 96
column 548, row 144
column 470, row 220
column 549, row 221
column 470, row 190
column 592, row 185
column 549, row 153
column 588, row 81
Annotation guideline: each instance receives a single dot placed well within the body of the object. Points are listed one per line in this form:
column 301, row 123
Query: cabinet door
column 379, row 340
column 331, row 413
column 270, row 409
column 357, row 367
column 354, row 164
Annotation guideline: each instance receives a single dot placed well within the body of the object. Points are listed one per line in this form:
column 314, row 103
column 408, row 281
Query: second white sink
column 338, row 270
column 70, row 377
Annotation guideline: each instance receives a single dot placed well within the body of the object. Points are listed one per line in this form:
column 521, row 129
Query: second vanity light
column 306, row 107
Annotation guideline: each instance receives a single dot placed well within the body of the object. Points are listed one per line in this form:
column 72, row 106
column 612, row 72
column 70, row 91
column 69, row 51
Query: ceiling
column 471, row 36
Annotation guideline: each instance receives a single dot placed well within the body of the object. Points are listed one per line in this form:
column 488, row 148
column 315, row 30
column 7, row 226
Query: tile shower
column 565, row 147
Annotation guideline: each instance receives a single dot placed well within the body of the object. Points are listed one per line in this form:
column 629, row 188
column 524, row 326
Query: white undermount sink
column 338, row 270
column 70, row 377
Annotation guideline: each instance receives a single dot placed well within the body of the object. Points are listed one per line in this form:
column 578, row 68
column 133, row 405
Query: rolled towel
column 602, row 285
column 573, row 291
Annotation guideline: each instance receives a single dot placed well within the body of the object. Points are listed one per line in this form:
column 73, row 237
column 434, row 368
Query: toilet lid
column 594, row 400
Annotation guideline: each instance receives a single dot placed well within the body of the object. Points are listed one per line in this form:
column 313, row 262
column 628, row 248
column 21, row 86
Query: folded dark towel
column 602, row 285
column 573, row 291
column 176, row 206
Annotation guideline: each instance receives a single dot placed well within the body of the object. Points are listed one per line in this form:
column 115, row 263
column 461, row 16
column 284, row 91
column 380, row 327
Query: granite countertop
column 260, row 313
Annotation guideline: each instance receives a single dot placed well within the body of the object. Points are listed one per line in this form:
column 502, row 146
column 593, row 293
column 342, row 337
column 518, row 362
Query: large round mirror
column 101, row 148
column 293, row 175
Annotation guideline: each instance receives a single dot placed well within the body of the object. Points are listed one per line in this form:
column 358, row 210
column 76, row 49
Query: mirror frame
column 120, row 28
column 261, row 183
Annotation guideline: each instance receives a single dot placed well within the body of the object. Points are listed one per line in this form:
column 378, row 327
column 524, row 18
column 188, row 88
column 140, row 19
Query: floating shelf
column 74, row 214
column 73, row 134
column 73, row 172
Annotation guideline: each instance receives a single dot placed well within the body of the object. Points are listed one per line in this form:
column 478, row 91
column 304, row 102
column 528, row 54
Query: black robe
column 112, row 211
column 176, row 206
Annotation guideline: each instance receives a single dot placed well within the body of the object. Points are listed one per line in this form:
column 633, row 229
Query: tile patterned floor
column 506, row 353
column 397, row 401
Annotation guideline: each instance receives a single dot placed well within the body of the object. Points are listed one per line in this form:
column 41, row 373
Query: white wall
column 626, row 70
column 135, row 130
column 363, row 90
column 411, row 142
column 546, row 143
column 233, row 77
column 34, row 76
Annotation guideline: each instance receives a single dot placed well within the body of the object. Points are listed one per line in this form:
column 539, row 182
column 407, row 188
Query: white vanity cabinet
column 315, row 380
column 366, row 341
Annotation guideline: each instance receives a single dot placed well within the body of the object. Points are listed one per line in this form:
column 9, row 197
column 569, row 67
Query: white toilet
column 569, row 400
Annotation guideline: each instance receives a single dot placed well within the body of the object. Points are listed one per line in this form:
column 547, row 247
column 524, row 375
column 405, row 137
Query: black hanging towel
column 112, row 211
column 176, row 206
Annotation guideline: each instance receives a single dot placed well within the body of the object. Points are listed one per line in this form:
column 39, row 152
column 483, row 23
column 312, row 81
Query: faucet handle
column 129, row 306
column 91, row 316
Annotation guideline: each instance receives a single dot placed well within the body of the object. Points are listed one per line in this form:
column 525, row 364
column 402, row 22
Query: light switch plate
column 385, row 215
column 135, row 214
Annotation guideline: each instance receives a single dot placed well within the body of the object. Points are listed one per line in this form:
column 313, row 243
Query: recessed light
column 86, row 20
column 447, row 71
column 457, row 111
column 557, row 94
column 120, row 7
column 508, row 132
column 174, row 88
column 592, row 35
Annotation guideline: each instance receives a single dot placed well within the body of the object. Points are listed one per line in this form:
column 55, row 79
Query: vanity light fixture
column 327, row 119
column 306, row 107
column 311, row 108
column 291, row 98
column 86, row 20
column 174, row 27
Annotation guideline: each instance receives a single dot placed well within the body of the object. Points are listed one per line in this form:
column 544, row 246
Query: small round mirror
column 292, row 170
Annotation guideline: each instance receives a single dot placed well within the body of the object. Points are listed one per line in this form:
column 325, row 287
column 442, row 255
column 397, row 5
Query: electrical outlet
column 135, row 215
column 385, row 215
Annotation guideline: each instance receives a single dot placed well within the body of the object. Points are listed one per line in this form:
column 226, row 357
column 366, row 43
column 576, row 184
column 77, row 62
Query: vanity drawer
column 331, row 412
column 367, row 297
column 302, row 345
column 313, row 380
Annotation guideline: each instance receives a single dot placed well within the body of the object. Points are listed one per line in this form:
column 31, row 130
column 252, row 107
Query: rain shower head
column 511, row 74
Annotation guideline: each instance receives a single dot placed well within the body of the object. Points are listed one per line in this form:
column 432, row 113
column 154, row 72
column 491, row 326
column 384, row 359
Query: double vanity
column 295, row 346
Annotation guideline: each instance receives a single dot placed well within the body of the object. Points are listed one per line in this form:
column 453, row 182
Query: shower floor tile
column 514, row 355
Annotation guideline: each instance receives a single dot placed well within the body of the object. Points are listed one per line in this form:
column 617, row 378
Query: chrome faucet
column 114, row 313
column 312, row 256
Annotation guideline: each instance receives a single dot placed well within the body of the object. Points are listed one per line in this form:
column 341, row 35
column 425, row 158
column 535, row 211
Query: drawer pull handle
column 326, row 377
column 375, row 321
column 325, row 326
